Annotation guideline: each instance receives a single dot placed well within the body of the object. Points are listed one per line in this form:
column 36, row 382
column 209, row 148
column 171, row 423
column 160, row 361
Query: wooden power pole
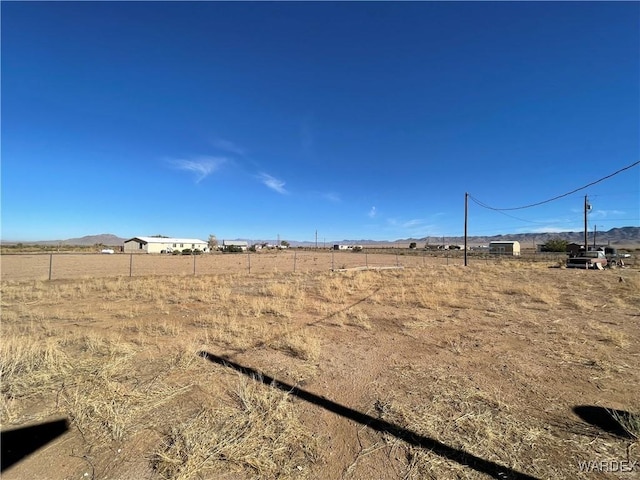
column 466, row 209
column 587, row 207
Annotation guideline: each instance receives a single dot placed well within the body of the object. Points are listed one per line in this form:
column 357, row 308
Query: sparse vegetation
column 212, row 242
column 629, row 421
column 555, row 245
column 451, row 354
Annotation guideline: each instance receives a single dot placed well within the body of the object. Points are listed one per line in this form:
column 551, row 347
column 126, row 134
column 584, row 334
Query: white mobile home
column 163, row 245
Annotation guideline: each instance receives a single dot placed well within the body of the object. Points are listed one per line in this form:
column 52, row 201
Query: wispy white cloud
column 372, row 213
column 332, row 197
column 228, row 146
column 202, row 167
column 412, row 223
column 273, row 183
column 415, row 228
column 400, row 223
column 605, row 213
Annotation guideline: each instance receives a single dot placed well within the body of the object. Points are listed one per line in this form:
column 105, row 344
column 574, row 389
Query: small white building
column 163, row 245
column 347, row 247
column 235, row 244
column 505, row 248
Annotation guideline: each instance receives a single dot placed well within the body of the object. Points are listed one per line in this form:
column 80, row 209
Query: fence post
column 294, row 261
column 50, row 263
column 397, row 261
column 130, row 264
column 366, row 259
column 194, row 265
column 249, row 260
column 332, row 262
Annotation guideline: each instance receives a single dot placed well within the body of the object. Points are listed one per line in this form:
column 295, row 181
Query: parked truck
column 614, row 257
column 594, row 259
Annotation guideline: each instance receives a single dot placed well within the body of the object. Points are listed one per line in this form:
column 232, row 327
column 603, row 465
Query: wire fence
column 58, row 266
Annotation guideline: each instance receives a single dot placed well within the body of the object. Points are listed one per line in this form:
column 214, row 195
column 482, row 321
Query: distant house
column 505, row 248
column 348, row 247
column 574, row 249
column 163, row 245
column 234, row 245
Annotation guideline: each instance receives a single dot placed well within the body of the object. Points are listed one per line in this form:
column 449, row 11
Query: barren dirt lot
column 70, row 266
column 489, row 371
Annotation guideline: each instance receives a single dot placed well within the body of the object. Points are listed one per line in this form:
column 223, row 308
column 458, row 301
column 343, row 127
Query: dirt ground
column 434, row 371
column 91, row 265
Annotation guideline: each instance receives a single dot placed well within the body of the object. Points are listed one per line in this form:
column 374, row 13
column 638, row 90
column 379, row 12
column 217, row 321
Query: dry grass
column 256, row 432
column 487, row 359
column 463, row 415
column 629, row 421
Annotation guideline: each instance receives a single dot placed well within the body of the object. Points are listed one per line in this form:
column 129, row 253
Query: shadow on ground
column 23, row 441
column 460, row 456
column 606, row 419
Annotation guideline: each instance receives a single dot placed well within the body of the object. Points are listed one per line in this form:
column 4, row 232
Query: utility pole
column 466, row 205
column 587, row 207
column 316, row 239
column 595, row 233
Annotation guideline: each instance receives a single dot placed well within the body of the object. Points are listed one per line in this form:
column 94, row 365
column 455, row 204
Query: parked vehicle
column 614, row 257
column 593, row 259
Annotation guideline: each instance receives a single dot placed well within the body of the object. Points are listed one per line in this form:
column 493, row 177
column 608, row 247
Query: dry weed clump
column 298, row 345
column 468, row 418
column 611, row 334
column 113, row 407
column 358, row 317
column 30, row 365
column 257, row 434
column 629, row 421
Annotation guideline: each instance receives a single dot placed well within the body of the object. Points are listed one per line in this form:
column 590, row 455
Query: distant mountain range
column 615, row 236
column 106, row 239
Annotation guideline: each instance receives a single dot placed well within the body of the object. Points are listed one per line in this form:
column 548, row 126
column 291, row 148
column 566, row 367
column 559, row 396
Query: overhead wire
column 484, row 205
column 518, row 218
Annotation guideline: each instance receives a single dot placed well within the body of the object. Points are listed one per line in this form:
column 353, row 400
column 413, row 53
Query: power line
column 484, row 205
column 517, row 218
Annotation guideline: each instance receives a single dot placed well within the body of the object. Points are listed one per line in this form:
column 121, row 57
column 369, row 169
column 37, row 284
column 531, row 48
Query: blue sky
column 359, row 120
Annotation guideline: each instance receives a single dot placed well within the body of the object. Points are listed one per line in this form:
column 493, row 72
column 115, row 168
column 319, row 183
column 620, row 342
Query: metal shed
column 505, row 248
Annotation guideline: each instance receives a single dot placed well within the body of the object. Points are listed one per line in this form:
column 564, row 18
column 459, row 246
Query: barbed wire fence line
column 59, row 266
column 66, row 266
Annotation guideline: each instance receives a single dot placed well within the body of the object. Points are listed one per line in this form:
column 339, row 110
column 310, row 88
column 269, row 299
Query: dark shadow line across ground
column 460, row 456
